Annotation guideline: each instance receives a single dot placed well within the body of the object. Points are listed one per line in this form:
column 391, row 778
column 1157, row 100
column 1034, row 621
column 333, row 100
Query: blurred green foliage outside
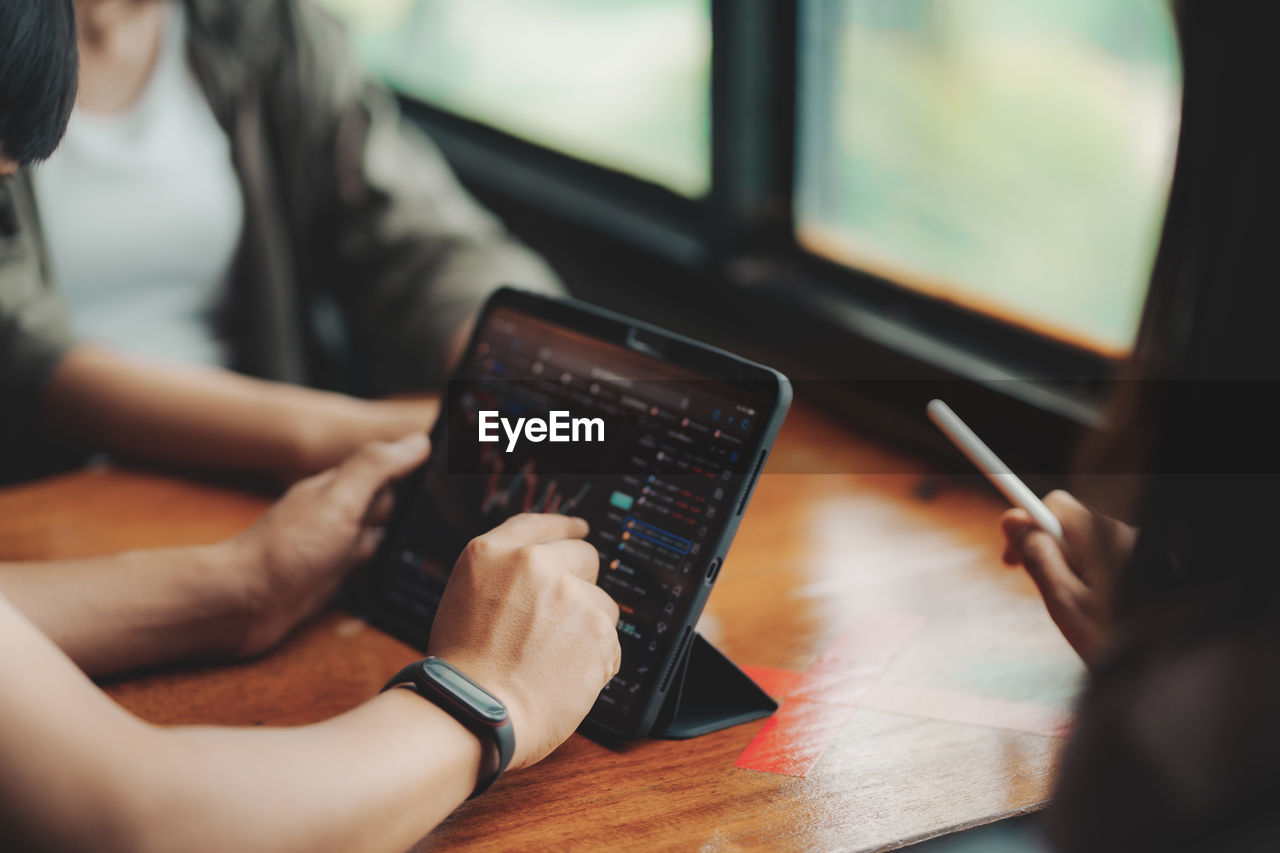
column 1010, row 155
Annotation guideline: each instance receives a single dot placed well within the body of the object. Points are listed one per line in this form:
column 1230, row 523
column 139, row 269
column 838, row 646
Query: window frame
column 741, row 240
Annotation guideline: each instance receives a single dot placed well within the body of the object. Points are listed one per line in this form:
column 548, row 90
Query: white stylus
column 997, row 472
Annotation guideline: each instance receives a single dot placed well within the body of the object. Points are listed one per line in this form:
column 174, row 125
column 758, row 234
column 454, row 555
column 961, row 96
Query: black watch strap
column 441, row 683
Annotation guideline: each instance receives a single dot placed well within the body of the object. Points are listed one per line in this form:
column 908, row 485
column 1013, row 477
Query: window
column 624, row 84
column 1012, row 156
column 1002, row 164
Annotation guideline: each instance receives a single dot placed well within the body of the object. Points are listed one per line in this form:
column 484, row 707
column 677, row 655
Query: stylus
column 997, row 472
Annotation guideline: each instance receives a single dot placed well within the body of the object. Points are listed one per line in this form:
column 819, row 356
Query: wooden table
column 923, row 688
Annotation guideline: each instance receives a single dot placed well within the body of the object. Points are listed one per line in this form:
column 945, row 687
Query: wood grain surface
column 923, row 688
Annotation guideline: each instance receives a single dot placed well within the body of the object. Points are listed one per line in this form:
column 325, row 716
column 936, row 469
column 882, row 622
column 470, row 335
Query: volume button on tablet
column 713, row 569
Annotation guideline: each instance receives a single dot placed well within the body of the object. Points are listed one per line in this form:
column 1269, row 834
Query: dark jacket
column 347, row 206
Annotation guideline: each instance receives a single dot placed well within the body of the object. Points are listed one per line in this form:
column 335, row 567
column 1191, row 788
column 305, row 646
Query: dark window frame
column 740, row 242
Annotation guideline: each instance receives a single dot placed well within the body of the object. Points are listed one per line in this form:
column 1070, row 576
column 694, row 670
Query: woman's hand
column 329, row 427
column 297, row 554
column 192, row 415
column 523, row 618
column 1076, row 584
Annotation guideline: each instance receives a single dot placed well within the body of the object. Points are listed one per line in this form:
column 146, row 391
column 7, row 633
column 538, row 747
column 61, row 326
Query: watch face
column 465, row 690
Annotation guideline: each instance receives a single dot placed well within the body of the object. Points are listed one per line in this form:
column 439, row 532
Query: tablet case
column 704, row 691
column 709, row 693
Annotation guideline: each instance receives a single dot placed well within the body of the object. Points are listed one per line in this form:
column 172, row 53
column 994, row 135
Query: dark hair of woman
column 1176, row 745
column 1193, row 414
column 39, row 68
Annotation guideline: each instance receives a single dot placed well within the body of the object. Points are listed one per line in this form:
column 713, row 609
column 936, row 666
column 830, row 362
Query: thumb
column 368, row 469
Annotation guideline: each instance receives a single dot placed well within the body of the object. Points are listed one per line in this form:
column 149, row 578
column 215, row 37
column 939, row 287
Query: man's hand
column 300, row 551
column 523, row 618
column 1076, row 585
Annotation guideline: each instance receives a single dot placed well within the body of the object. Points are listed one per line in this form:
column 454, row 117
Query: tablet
column 654, row 439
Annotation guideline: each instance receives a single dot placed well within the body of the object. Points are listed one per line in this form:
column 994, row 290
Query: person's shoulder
column 257, row 22
column 257, row 34
column 273, row 40
column 19, row 236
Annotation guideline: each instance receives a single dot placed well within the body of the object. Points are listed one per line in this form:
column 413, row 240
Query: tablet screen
column 652, row 456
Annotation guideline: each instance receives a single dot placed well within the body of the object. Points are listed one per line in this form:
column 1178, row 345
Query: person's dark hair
column 39, row 70
column 1196, row 416
column 1175, row 744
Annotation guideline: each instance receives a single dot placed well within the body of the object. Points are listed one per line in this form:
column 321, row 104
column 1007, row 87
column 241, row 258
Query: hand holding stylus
column 1071, row 553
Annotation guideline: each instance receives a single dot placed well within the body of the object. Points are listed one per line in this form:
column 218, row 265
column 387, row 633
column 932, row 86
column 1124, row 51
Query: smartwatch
column 438, row 681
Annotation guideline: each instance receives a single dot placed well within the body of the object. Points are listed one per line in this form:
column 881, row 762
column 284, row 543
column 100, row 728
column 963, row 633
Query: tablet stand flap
column 709, row 694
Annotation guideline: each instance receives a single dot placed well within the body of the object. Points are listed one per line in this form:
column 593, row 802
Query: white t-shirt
column 142, row 212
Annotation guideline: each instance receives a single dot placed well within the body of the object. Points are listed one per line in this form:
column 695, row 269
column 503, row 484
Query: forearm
column 171, row 413
column 81, row 774
column 137, row 609
column 377, row 778
column 212, row 418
